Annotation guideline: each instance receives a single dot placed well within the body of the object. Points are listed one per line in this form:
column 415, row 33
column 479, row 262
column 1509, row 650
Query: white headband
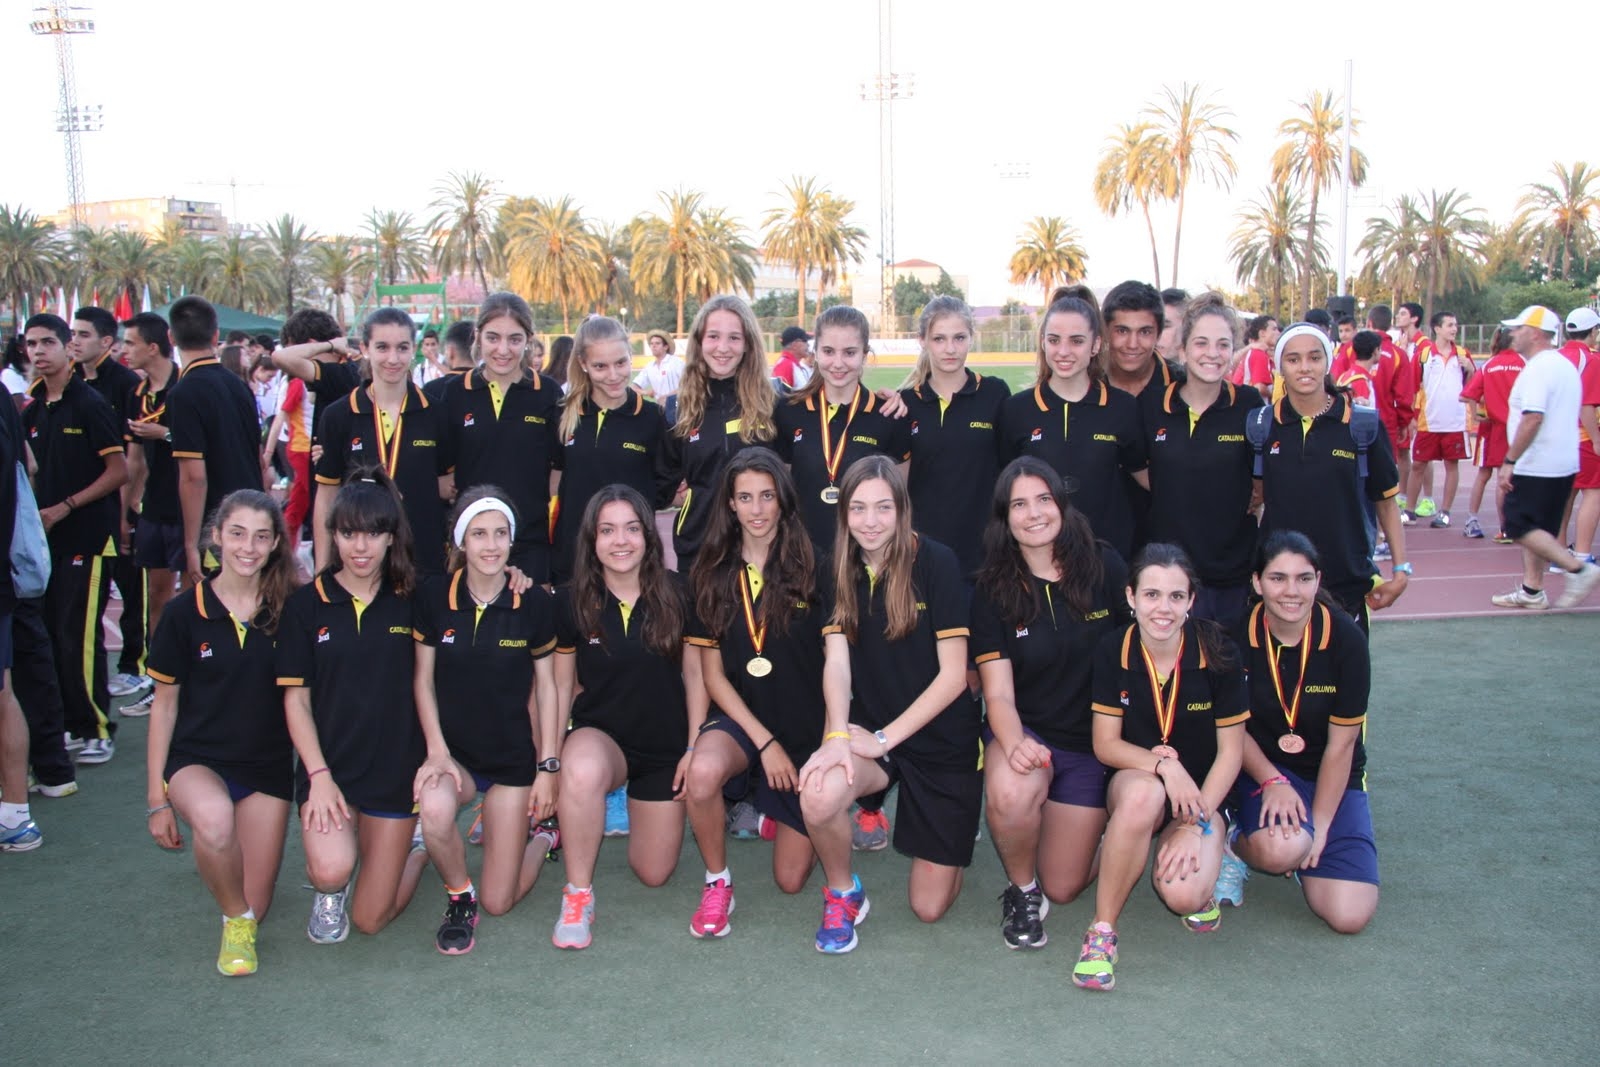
column 478, row 507
column 1303, row 329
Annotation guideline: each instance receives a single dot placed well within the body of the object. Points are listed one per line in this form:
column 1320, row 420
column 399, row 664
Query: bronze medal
column 1292, row 743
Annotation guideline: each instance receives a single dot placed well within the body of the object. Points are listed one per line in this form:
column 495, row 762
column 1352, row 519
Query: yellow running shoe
column 238, row 955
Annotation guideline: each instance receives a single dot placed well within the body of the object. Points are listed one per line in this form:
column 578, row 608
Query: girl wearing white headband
column 485, row 691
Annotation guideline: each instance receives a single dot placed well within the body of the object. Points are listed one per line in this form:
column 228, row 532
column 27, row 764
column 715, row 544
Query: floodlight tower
column 884, row 89
column 60, row 21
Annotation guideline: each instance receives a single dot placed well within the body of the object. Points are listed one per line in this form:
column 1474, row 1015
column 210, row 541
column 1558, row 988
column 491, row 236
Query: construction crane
column 61, row 22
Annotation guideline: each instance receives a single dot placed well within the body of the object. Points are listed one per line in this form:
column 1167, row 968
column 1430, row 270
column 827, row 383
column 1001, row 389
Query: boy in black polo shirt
column 77, row 442
column 152, row 472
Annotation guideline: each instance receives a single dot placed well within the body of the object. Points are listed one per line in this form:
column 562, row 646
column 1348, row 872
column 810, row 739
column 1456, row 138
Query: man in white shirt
column 660, row 377
column 1541, row 462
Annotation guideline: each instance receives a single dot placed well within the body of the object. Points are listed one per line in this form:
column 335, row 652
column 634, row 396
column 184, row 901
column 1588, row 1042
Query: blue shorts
column 1351, row 852
column 240, row 781
column 376, row 814
column 1076, row 778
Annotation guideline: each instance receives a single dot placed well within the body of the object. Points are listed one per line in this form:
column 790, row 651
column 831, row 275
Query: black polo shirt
column 1337, row 682
column 633, row 694
column 1094, row 442
column 788, row 701
column 71, row 438
column 213, row 418
column 1052, row 654
column 434, row 390
column 1200, row 482
column 359, row 668
column 160, row 502
column 1207, row 699
column 114, row 381
column 887, row 676
column 230, row 710
column 955, row 459
column 799, row 441
column 622, row 446
column 330, row 383
column 1310, row 482
column 512, row 447
column 483, row 672
column 697, row 456
column 352, row 436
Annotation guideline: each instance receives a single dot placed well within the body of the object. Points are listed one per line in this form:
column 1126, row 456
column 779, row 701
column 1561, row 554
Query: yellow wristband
column 836, row 733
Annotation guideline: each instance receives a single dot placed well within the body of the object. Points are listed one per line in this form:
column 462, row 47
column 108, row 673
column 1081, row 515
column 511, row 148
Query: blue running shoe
column 1230, row 880
column 617, row 813
column 26, row 838
column 840, row 913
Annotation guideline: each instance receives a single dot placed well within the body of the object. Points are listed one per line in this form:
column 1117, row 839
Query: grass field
column 1482, row 951
column 1018, row 376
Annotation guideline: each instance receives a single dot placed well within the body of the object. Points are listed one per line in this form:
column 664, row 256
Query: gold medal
column 833, row 454
column 758, row 667
column 830, row 494
column 1166, row 710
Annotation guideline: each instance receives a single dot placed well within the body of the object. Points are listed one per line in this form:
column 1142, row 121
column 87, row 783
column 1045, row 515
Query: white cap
column 1540, row 318
column 1582, row 319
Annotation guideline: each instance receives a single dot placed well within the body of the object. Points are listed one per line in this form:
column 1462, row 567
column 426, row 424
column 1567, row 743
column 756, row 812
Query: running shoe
column 1402, row 503
column 238, row 955
column 1205, row 920
column 1095, row 962
column 71, row 743
column 1521, row 598
column 121, row 685
column 711, row 917
column 456, row 934
column 1556, row 568
column 617, row 813
column 870, row 832
column 1503, row 538
column 65, row 789
column 1426, row 508
column 840, row 914
column 24, row 838
column 1474, row 529
column 1440, row 521
column 97, row 750
column 1579, row 585
column 768, row 828
column 417, row 843
column 1230, row 880
column 138, row 709
column 330, row 921
column 475, row 835
column 744, row 824
column 1406, row 518
column 1383, row 553
column 577, row 916
column 1022, row 917
column 550, row 834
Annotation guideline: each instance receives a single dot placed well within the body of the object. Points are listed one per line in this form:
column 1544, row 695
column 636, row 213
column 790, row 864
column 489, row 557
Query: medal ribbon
column 1166, row 711
column 1291, row 708
column 758, row 634
column 390, row 456
column 832, row 459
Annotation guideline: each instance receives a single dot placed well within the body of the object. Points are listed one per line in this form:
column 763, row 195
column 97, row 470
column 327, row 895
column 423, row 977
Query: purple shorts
column 1076, row 778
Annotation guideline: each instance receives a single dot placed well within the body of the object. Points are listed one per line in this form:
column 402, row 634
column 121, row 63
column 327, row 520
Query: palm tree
column 729, row 261
column 552, row 256
column 1195, row 144
column 89, row 264
column 1131, row 172
column 616, row 258
column 288, row 242
column 794, row 234
column 338, row 264
column 1452, row 239
column 243, row 274
column 30, row 258
column 463, row 225
column 1393, row 248
column 190, row 263
column 1513, row 246
column 1312, row 156
column 1049, row 251
column 134, row 263
column 1266, row 248
column 399, row 247
column 1567, row 210
column 846, row 242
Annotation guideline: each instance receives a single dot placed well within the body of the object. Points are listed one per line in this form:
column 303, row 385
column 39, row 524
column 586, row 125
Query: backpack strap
column 1364, row 428
column 1256, row 428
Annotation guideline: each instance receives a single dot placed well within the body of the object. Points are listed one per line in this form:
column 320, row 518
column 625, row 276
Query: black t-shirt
column 352, row 435
column 859, row 426
column 359, row 668
column 1334, row 689
column 887, row 676
column 483, row 670
column 955, row 459
column 1207, row 699
column 160, row 502
column 697, row 458
column 330, row 383
column 230, row 709
column 629, row 691
column 624, row 446
column 115, row 382
column 1200, row 482
column 1095, row 443
column 434, row 390
column 213, row 418
column 71, row 438
column 1052, row 655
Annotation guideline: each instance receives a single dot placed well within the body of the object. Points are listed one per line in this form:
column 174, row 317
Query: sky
column 329, row 109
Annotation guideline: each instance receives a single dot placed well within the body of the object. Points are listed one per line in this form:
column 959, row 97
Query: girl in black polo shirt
column 759, row 623
column 620, row 626
column 346, row 660
column 1047, row 594
column 1170, row 706
column 609, row 434
column 485, row 690
column 218, row 750
column 1302, row 799
column 897, row 641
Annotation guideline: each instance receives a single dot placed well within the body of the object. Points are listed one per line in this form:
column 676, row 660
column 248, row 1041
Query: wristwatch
column 549, row 766
column 1401, row 568
column 883, row 740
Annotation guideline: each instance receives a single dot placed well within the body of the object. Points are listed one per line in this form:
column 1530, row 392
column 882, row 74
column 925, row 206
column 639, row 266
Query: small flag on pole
column 145, row 305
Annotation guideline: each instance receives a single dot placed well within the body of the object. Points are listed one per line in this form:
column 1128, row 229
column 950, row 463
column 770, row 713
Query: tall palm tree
column 729, row 260
column 1195, row 143
column 288, row 242
column 244, row 273
column 190, row 263
column 1393, row 248
column 30, row 258
column 1510, row 247
column 1452, row 239
column 134, row 263
column 1049, row 251
column 1131, row 172
column 1266, row 248
column 1567, row 211
column 1311, row 155
column 463, row 225
column 340, row 265
column 399, row 246
column 846, row 242
column 616, row 259
column 552, row 256
column 90, row 262
column 664, row 245
column 795, row 233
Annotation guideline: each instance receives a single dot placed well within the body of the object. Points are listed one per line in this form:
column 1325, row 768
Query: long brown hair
column 658, row 593
column 840, row 315
column 1005, row 576
column 753, row 379
column 368, row 502
column 278, row 576
column 790, row 573
column 894, row 573
column 594, row 330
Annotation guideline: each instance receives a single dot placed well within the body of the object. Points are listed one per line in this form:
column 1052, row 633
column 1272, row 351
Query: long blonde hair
column 756, row 395
column 940, row 307
column 894, row 572
column 596, row 329
column 841, row 315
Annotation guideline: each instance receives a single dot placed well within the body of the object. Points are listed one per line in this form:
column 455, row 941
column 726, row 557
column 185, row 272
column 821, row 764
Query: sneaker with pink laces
column 869, row 831
column 577, row 916
column 711, row 917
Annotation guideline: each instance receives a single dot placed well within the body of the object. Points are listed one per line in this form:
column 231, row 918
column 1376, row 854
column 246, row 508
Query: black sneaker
column 455, row 937
column 1022, row 917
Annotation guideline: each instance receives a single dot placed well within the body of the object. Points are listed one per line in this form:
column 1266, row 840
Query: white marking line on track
column 1461, row 577
column 1505, row 613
